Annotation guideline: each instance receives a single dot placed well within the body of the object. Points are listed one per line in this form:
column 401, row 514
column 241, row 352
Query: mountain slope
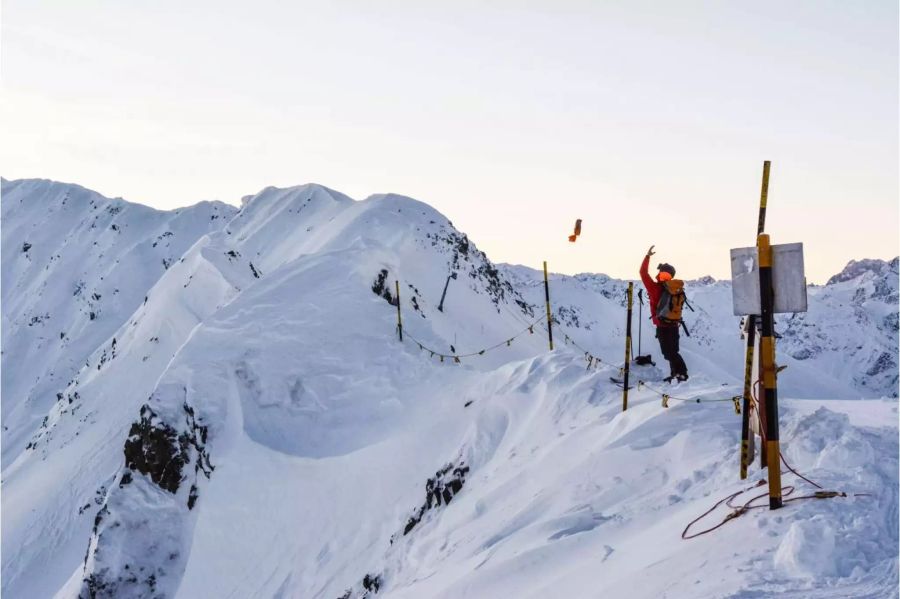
column 97, row 408
column 76, row 265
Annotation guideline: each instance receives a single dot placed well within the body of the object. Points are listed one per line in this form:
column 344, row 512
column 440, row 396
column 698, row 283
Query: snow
column 87, row 255
column 806, row 550
column 278, row 437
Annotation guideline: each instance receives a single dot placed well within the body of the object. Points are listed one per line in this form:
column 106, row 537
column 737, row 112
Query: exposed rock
column 439, row 490
column 380, row 287
column 154, row 448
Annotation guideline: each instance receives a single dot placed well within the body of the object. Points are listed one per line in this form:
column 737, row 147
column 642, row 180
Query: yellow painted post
column 627, row 347
column 547, row 299
column 751, row 336
column 770, row 377
column 399, row 319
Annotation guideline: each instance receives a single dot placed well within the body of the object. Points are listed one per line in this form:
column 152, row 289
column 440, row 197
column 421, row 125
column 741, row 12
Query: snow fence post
column 767, row 359
column 547, row 299
column 399, row 320
column 627, row 346
column 751, row 336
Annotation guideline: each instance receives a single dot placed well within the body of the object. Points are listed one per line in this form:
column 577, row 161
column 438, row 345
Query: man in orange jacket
column 666, row 332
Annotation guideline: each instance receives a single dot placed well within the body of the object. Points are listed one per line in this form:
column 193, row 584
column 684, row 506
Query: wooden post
column 399, row 319
column 767, row 358
column 627, row 347
column 547, row 299
column 751, row 337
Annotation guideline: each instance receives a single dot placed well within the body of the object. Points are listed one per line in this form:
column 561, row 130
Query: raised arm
column 648, row 281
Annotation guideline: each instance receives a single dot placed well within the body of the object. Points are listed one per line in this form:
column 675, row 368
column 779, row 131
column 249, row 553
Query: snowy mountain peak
column 294, row 194
column 858, row 268
column 704, row 280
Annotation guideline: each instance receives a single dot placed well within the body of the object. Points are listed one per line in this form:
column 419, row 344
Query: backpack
column 671, row 301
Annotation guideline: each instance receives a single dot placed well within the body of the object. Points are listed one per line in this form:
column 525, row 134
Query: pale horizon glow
column 648, row 120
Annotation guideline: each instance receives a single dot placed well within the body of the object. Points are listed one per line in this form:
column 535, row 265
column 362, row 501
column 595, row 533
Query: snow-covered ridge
column 845, row 346
column 278, row 237
column 254, row 427
column 859, row 268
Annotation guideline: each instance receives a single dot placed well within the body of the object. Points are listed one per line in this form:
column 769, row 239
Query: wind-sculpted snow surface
column 576, row 495
column 255, row 428
column 294, row 385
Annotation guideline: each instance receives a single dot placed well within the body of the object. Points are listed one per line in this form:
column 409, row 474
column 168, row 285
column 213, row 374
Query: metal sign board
column 788, row 279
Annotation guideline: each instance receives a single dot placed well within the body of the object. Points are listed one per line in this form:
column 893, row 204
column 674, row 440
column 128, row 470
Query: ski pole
column 640, row 318
column 627, row 347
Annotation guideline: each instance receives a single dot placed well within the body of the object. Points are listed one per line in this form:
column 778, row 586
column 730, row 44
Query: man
column 667, row 317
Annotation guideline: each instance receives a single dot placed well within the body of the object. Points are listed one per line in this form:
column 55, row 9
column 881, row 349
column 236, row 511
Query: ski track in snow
column 263, row 371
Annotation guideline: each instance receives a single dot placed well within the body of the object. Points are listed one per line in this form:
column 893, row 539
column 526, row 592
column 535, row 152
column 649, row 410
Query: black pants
column 668, row 345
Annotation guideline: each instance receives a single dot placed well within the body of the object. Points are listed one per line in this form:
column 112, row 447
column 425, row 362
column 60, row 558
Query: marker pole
column 751, row 337
column 770, row 378
column 547, row 300
column 399, row 319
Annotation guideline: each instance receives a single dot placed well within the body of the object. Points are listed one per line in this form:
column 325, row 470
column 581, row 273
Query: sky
column 650, row 121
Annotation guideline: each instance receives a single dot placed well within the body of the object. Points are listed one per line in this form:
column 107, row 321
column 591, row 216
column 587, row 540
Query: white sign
column 788, row 279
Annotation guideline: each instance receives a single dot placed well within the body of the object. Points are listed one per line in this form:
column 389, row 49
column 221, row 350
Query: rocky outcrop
column 139, row 541
column 439, row 490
